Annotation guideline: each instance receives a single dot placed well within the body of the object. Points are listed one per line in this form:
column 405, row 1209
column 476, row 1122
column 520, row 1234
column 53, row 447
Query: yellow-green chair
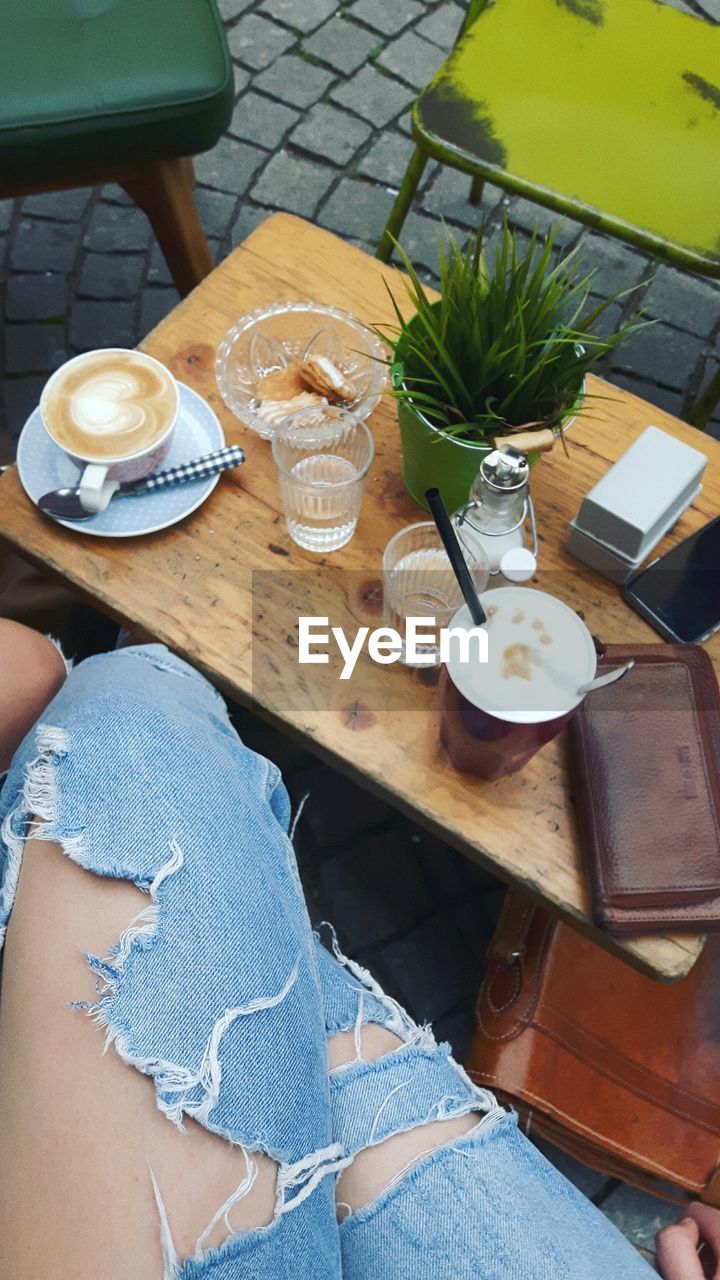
column 607, row 111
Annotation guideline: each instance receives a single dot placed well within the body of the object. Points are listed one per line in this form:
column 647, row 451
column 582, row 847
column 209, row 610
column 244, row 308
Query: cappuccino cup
column 113, row 412
column 496, row 715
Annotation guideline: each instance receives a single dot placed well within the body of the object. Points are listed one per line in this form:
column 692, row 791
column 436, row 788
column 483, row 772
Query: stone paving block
column 6, row 213
column 665, row 355
column 154, row 306
column 34, row 348
column 374, row 889
column 39, row 245
column 328, row 132
column 289, row 182
column 411, row 59
column 639, row 1215
column 357, row 209
column 113, row 227
column 475, row 917
column 216, row 209
column 301, row 15
column 36, row 297
column 442, row 25
column 531, row 216
column 664, row 397
column 404, row 122
column 443, row 865
column 387, row 159
column 111, row 275
column 419, row 238
column 231, row 9
column 457, row 1028
column 115, row 194
column 608, row 322
column 262, row 120
column 20, row 396
column 158, row 271
column 341, row 44
column 616, row 267
column 241, row 78
column 432, row 969
column 686, row 301
column 249, row 217
column 257, row 42
column 587, row 1180
column 447, row 195
column 375, row 97
column 294, row 80
column 62, row 206
column 387, row 18
column 102, row 324
column 337, row 809
column 287, row 754
column 230, row 166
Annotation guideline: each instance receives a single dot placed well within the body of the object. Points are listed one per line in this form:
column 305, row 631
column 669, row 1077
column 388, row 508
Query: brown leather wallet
column 644, row 759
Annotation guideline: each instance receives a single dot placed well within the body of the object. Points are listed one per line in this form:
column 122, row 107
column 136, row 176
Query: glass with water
column 322, row 456
column 418, row 582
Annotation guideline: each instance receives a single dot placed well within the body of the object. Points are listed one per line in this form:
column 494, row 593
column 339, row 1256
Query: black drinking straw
column 439, row 514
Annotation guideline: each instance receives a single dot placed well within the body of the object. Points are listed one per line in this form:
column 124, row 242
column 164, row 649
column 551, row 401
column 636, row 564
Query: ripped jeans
column 219, row 992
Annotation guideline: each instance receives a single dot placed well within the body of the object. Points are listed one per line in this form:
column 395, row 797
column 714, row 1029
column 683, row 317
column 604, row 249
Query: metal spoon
column 608, row 677
column 65, row 504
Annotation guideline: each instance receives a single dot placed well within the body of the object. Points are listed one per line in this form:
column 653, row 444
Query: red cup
column 479, row 733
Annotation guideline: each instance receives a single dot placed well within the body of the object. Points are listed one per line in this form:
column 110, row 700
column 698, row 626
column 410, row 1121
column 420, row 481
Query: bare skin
column 32, row 672
column 690, row 1250
column 375, row 1168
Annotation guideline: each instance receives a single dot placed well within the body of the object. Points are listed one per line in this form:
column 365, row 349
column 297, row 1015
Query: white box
column 629, row 510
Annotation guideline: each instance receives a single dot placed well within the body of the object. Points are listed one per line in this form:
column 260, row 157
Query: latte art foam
column 109, row 405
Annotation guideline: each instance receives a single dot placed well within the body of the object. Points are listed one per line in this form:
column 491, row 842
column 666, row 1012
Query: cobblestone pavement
column 321, row 128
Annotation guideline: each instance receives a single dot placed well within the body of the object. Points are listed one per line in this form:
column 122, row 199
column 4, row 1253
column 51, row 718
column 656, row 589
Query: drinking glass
column 322, row 456
column 418, row 582
column 496, row 715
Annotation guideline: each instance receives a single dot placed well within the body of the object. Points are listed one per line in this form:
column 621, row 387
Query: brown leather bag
column 613, row 1067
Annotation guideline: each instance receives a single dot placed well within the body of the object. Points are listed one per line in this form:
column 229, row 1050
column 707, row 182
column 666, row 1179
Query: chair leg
column 403, row 200
column 476, row 191
column 164, row 191
column 700, row 412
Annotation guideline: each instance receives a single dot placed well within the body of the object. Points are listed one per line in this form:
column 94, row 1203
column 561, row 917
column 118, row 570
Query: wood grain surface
column 225, row 587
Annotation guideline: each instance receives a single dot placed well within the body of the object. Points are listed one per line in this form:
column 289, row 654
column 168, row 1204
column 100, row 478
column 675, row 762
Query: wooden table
column 192, row 586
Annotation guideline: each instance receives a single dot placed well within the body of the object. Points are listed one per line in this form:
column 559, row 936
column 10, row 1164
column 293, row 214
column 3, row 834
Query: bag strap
column 515, row 961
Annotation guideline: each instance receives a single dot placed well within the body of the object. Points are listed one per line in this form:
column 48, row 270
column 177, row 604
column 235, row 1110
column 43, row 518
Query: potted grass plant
column 504, row 350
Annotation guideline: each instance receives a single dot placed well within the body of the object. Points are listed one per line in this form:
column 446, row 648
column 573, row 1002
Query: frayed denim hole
column 303, row 1176
column 489, row 1128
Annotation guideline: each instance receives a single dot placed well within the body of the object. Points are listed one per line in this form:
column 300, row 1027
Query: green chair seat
column 605, row 110
column 91, row 85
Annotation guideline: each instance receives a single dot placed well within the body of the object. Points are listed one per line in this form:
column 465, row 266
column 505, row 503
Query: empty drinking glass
column 322, row 456
column 418, row 582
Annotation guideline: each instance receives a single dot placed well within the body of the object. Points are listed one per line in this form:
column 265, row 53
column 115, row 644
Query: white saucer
column 43, row 466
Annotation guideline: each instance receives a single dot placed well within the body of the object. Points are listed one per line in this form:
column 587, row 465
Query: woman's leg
column 438, row 1182
column 442, row 1182
column 142, row 796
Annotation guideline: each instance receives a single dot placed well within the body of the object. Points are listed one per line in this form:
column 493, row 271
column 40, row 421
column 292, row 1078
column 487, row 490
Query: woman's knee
column 33, row 672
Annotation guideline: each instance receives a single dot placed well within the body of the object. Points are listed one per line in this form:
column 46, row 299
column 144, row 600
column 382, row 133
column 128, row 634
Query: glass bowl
column 271, row 338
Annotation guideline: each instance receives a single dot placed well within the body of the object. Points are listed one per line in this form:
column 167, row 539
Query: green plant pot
column 430, row 458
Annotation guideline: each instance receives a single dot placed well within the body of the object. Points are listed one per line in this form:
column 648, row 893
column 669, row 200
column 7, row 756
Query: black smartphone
column 679, row 593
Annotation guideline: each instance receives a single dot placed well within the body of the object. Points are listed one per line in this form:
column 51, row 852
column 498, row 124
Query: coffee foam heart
column 110, row 404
